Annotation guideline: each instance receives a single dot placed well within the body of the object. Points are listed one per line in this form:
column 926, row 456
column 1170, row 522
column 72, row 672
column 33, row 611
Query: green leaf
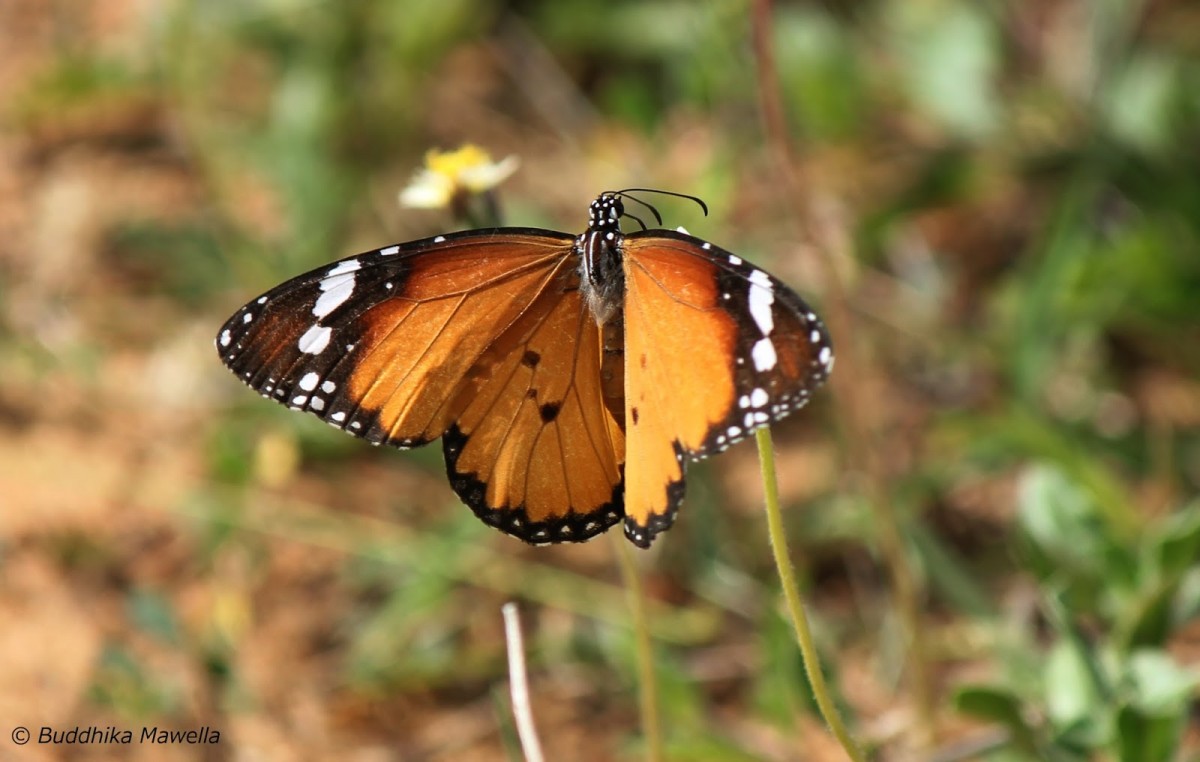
column 1138, row 103
column 949, row 55
column 1160, row 686
column 998, row 705
column 1062, row 522
column 1165, row 563
column 1083, row 736
column 1178, row 549
column 1073, row 699
column 947, row 573
column 1145, row 737
column 1150, row 617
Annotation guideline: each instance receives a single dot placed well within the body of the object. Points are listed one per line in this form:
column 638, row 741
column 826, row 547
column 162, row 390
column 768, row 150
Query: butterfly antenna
column 698, row 201
column 638, row 220
column 653, row 211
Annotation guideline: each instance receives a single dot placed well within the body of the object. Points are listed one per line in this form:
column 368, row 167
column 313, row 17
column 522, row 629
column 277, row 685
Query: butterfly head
column 605, row 213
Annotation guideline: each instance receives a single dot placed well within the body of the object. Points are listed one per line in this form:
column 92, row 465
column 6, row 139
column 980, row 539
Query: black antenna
column 653, row 211
column 638, row 220
column 625, row 193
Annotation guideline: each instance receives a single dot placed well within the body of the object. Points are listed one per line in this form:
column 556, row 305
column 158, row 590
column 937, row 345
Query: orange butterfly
column 570, row 378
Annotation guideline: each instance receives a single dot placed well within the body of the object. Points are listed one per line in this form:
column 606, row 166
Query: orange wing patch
column 714, row 348
column 677, row 384
column 534, row 451
column 377, row 344
column 419, row 346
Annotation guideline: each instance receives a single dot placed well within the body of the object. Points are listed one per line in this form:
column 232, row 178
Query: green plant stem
column 647, row 680
column 791, row 594
column 819, row 223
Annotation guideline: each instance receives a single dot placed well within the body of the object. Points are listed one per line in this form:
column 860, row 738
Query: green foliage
column 123, row 682
column 409, row 635
column 1111, row 603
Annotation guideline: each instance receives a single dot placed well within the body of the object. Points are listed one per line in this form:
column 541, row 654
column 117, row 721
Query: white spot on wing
column 390, row 251
column 762, row 296
column 825, row 356
column 318, row 403
column 763, row 354
column 336, row 289
column 314, row 340
column 328, row 387
column 247, row 317
column 439, row 239
column 226, row 337
column 734, row 260
column 347, row 266
column 758, row 397
column 339, row 416
column 309, row 382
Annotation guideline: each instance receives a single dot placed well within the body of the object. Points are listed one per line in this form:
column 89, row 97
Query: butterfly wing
column 408, row 343
column 374, row 343
column 714, row 348
column 534, row 451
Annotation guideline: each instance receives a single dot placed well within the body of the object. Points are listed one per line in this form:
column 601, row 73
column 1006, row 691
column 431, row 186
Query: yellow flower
column 451, row 174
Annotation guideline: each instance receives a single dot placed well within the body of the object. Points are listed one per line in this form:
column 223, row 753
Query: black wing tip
column 338, row 411
column 515, row 521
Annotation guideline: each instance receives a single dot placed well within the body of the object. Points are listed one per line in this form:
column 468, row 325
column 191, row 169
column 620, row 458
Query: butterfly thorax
column 602, row 277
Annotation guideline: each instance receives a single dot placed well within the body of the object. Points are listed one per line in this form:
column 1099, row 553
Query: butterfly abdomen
column 612, row 367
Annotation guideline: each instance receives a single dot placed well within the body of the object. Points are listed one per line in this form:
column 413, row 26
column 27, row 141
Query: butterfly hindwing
column 534, row 451
column 714, row 348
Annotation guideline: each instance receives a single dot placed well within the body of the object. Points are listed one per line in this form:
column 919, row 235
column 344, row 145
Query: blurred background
column 1016, row 189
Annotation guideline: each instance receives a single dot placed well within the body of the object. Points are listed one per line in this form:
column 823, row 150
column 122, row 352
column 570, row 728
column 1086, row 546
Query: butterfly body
column 570, row 377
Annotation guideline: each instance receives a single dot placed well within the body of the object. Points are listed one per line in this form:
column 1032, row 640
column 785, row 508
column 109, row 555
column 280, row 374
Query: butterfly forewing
column 369, row 343
column 714, row 348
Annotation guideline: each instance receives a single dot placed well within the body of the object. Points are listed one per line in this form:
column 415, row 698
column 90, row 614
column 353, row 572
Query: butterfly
column 570, row 377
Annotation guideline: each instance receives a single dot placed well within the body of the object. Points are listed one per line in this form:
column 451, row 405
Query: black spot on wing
column 549, row 411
